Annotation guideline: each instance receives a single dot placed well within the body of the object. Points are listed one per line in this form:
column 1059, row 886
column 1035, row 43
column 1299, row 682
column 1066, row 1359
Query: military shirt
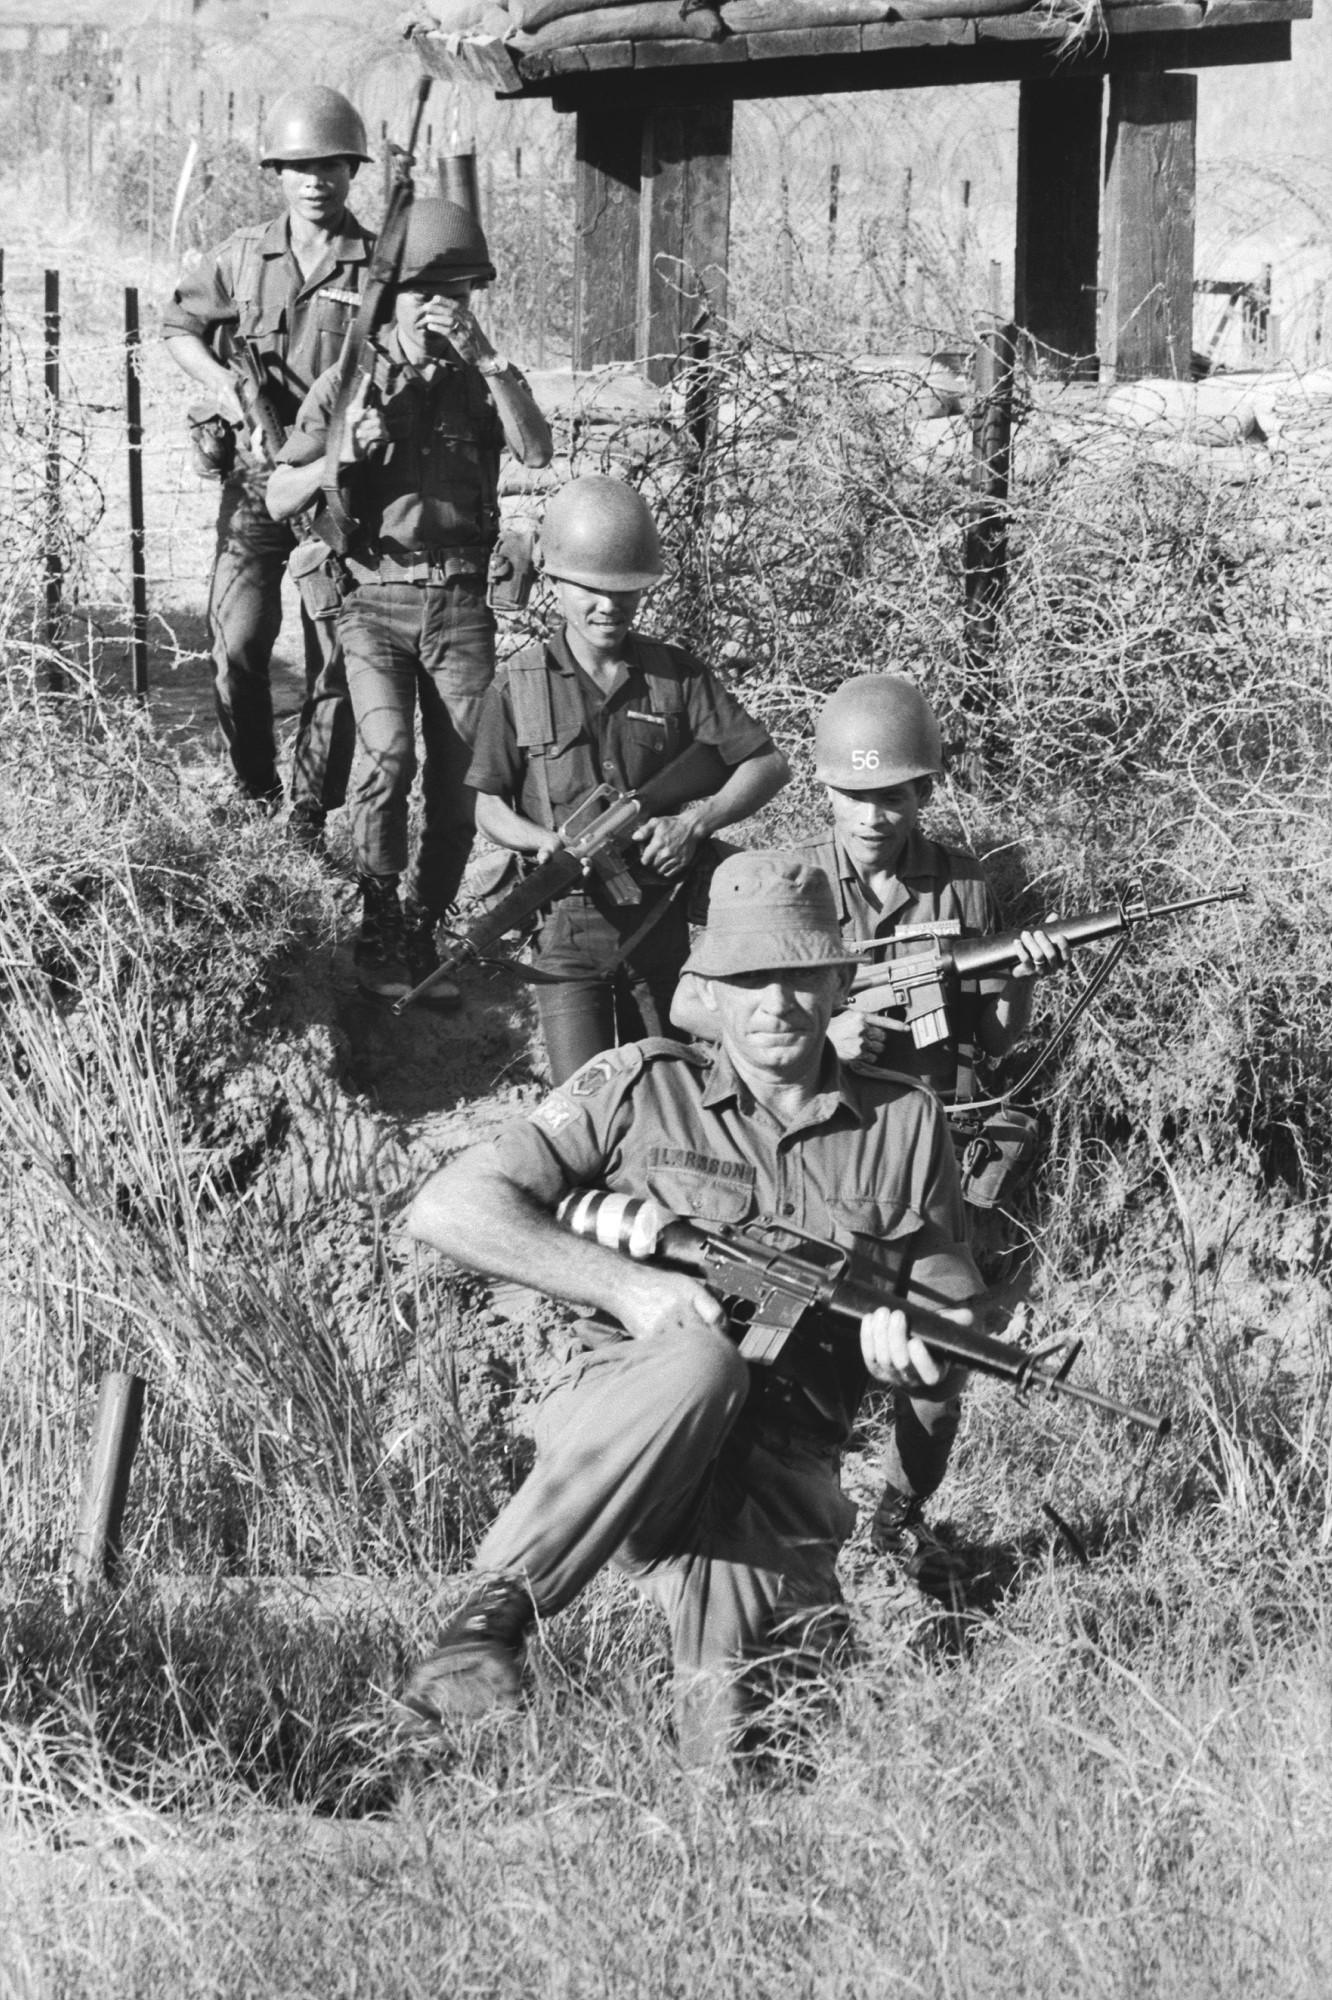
column 434, row 488
column 868, row 1164
column 621, row 738
column 939, row 893
column 253, row 285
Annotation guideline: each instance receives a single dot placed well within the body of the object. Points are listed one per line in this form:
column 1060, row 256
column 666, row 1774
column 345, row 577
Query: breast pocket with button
column 701, row 1197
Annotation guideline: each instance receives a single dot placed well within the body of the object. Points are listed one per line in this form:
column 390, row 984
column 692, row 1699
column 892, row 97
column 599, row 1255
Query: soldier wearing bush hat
column 422, row 441
column 289, row 288
column 600, row 703
column 712, row 1481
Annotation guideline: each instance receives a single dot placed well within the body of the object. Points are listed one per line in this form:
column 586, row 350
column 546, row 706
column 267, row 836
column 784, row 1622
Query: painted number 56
column 864, row 760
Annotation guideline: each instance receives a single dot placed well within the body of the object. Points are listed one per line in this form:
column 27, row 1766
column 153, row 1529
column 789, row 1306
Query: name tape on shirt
column 644, row 715
column 941, row 927
column 338, row 296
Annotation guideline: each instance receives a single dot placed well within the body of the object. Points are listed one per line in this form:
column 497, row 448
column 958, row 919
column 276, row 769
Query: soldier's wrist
column 495, row 364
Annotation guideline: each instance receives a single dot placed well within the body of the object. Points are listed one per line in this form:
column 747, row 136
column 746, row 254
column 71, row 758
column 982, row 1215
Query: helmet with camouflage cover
column 877, row 730
column 312, row 123
column 444, row 244
column 599, row 532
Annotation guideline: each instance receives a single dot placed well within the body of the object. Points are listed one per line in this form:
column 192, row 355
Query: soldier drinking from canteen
column 713, row 1483
column 600, row 702
column 422, row 442
column 289, row 288
column 877, row 752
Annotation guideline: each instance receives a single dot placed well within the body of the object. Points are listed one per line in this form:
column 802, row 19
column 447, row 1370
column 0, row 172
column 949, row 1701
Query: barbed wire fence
column 855, row 229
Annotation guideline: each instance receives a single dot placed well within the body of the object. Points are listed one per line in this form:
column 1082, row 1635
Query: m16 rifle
column 783, row 1286
column 334, row 522
column 590, row 838
column 256, row 395
column 919, row 987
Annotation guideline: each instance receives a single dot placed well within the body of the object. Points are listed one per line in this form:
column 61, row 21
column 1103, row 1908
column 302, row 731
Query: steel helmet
column 312, row 123
column 600, row 533
column 877, row 730
column 444, row 243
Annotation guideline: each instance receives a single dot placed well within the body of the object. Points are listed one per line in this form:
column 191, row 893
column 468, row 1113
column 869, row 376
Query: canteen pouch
column 996, row 1156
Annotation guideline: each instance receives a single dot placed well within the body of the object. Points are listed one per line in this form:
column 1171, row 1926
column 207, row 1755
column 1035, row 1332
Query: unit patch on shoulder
column 554, row 1112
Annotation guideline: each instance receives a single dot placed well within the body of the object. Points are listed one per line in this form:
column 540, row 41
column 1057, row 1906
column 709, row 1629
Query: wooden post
column 1149, row 213
column 609, row 150
column 1058, row 222
column 115, row 1439
column 684, row 229
column 134, row 438
column 985, row 539
column 53, row 564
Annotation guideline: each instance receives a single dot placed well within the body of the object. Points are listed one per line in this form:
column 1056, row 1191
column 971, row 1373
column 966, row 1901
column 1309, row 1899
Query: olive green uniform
column 714, row 1484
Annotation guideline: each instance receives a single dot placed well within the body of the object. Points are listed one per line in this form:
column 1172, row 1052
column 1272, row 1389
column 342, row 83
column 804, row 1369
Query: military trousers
column 244, row 618
column 416, row 645
column 591, row 1010
column 647, row 1457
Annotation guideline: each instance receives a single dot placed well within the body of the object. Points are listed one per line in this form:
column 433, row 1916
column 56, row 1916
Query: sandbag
column 469, row 17
column 757, row 17
column 641, row 21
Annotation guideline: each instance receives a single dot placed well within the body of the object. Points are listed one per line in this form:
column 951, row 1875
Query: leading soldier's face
column 873, row 827
column 317, row 190
column 600, row 618
column 774, row 1023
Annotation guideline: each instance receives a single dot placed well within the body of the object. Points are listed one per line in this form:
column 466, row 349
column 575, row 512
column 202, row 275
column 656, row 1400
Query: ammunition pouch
column 512, row 570
column 995, row 1154
column 322, row 578
column 213, row 439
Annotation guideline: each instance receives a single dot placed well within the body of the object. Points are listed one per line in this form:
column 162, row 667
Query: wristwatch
column 495, row 364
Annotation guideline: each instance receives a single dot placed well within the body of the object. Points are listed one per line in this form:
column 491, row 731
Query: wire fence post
column 53, row 567
column 134, row 437
column 115, row 1439
column 985, row 536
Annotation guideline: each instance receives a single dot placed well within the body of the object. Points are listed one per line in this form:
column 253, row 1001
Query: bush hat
column 768, row 912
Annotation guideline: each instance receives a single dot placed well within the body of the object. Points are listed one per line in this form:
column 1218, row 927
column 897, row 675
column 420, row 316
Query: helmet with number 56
column 877, row 730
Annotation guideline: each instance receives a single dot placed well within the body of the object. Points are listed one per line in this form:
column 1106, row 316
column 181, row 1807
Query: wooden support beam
column 609, row 150
column 1058, row 222
column 684, row 234
column 1149, row 214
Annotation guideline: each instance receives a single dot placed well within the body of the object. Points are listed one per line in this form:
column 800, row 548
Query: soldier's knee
column 709, row 1369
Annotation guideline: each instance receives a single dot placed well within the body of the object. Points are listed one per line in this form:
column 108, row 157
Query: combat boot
column 422, row 957
column 305, row 828
column 380, row 953
column 899, row 1532
column 476, row 1669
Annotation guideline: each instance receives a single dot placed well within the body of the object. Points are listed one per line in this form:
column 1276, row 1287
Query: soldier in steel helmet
column 600, row 703
column 422, row 440
column 877, row 752
column 290, row 288
column 713, row 1482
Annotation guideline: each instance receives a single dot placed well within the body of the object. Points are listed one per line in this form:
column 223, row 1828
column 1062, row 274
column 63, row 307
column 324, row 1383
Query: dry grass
column 1108, row 1780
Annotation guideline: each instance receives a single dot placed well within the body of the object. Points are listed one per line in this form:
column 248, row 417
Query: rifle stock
column 256, row 396
column 696, row 773
column 783, row 1285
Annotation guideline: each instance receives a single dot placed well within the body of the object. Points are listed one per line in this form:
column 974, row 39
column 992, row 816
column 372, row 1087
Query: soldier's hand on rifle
column 669, row 844
column 364, row 430
column 1040, row 954
column 892, row 1353
column 856, row 1036
column 652, row 1304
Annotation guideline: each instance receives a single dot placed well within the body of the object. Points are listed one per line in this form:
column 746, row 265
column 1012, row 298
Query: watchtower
column 654, row 122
